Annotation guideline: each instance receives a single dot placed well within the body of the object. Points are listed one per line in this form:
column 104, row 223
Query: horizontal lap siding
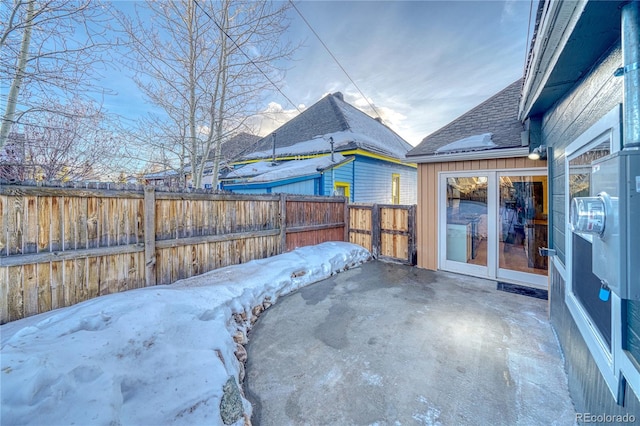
column 340, row 174
column 574, row 114
column 589, row 391
column 306, row 187
column 373, row 181
column 591, row 99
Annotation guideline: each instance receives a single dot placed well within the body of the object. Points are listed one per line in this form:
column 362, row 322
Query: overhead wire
column 334, row 57
column 246, row 55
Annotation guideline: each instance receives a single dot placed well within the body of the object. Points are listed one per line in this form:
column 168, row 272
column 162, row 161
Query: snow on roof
column 309, row 132
column 148, row 356
column 371, row 133
column 471, row 143
column 266, row 171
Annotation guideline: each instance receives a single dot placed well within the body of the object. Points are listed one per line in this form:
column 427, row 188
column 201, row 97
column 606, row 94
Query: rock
column 241, row 372
column 257, row 310
column 298, row 273
column 231, row 409
column 241, row 353
column 240, row 337
column 266, row 304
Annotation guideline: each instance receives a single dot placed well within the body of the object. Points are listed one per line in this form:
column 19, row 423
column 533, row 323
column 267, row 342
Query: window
column 395, row 188
column 341, row 188
column 603, row 325
column 585, row 284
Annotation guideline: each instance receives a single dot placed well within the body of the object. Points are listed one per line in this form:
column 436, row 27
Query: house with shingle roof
column 482, row 207
column 231, row 150
column 331, row 148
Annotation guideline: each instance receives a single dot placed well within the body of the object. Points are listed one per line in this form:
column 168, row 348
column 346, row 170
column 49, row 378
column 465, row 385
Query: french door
column 492, row 223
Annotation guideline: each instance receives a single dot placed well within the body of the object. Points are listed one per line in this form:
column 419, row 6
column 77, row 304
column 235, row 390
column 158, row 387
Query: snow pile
column 157, row 355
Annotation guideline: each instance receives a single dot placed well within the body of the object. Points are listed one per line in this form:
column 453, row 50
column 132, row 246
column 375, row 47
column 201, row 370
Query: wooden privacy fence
column 62, row 245
column 386, row 230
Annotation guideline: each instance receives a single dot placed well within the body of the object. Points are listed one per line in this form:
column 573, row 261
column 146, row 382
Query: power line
column 247, row 56
column 334, row 58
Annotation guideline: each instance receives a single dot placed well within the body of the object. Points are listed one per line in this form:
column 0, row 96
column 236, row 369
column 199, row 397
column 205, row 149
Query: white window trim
column 610, row 363
column 491, row 271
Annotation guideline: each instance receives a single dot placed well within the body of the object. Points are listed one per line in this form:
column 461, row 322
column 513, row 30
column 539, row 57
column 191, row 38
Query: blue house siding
column 373, row 181
column 248, row 191
column 340, row 174
column 369, row 181
column 305, row 187
column 592, row 98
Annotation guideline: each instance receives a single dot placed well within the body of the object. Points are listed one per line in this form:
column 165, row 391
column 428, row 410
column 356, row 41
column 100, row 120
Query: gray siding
column 597, row 94
column 373, row 181
column 592, row 98
column 588, row 389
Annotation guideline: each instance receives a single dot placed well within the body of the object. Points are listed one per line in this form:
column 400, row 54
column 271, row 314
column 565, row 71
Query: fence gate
column 386, row 230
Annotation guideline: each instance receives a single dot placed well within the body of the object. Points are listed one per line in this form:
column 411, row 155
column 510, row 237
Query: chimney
column 339, row 96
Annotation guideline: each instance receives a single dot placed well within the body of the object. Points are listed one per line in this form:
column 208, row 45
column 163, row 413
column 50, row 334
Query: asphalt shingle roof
column 351, row 128
column 497, row 115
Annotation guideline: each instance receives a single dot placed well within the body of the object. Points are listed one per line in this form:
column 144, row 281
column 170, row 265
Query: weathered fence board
column 387, row 231
column 61, row 246
column 314, row 220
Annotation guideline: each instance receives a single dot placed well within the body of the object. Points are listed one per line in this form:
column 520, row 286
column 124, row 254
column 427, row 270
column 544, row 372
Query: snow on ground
column 158, row 355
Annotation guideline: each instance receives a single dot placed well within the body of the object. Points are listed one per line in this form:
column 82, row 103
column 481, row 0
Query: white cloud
column 272, row 117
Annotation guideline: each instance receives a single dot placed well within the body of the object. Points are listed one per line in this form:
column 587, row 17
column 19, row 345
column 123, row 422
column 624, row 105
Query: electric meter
column 588, row 215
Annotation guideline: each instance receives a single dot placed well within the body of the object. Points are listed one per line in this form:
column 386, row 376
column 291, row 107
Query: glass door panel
column 466, row 220
column 522, row 224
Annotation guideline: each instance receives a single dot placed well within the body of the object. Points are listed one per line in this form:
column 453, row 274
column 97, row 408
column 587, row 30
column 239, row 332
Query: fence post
column 283, row 223
column 347, row 222
column 150, row 235
column 376, row 225
column 411, row 227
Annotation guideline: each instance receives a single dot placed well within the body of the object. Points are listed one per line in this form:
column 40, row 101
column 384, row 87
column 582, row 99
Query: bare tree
column 60, row 146
column 51, row 51
column 202, row 64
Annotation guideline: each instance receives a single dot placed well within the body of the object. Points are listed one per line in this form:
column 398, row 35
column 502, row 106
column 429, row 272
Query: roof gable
column 331, row 117
column 497, row 116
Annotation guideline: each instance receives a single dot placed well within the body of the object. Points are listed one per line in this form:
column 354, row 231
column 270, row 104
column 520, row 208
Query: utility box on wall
column 612, row 215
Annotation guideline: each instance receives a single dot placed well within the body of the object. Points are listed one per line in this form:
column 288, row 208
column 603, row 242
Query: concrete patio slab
column 387, row 344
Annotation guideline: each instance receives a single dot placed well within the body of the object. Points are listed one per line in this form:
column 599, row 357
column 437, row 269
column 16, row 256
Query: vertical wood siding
column 427, row 220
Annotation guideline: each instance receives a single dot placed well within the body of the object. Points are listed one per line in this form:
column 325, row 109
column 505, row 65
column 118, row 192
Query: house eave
column 474, row 155
column 571, row 37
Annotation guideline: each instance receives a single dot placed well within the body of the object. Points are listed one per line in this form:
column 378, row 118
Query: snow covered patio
column 166, row 354
column 376, row 344
column 387, row 344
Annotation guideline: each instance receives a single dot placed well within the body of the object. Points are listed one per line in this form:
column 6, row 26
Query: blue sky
column 421, row 63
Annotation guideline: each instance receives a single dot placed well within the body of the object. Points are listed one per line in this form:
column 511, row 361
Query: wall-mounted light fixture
column 538, row 153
